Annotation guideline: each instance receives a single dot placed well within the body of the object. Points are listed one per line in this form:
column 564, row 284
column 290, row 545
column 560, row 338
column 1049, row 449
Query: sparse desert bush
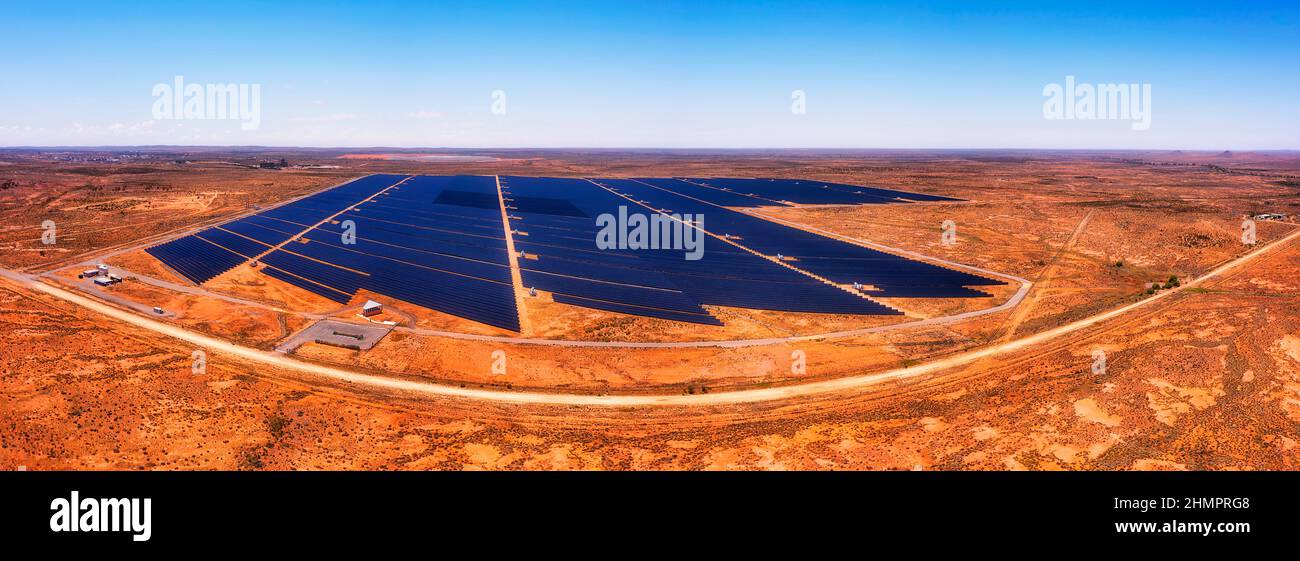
column 251, row 459
column 276, row 425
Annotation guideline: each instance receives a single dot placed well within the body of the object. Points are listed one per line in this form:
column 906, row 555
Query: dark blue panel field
column 568, row 263
column 310, row 286
column 701, row 318
column 440, row 242
column 196, row 259
column 717, row 196
column 804, row 191
column 247, row 247
column 839, row 261
column 272, row 234
column 436, row 242
column 251, row 236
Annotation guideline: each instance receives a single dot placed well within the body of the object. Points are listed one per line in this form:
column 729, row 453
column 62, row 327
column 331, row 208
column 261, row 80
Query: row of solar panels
column 768, row 192
column 407, row 245
column 401, row 243
column 836, row 260
column 249, row 237
column 563, row 259
column 439, row 242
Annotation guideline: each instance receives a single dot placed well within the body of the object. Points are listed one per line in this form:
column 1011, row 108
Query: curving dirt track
column 698, row 400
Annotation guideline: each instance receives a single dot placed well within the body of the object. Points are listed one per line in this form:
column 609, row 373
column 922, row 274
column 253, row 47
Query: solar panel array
column 766, row 192
column 439, row 242
column 448, row 256
column 563, row 259
column 195, row 258
column 202, row 256
column 839, row 261
column 415, row 244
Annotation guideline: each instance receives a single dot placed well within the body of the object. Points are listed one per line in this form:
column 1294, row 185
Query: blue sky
column 653, row 74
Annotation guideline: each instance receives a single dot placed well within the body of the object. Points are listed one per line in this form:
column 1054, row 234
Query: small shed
column 103, row 281
column 371, row 308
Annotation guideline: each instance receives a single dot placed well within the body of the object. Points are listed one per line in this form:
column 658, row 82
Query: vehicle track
column 706, row 400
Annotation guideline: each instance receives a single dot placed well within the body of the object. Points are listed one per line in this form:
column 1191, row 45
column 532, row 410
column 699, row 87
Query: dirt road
column 212, row 344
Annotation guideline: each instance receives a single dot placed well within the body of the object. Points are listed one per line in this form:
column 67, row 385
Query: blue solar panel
column 468, row 198
column 544, row 205
column 439, row 242
column 270, row 235
column 728, row 276
column 248, row 248
column 643, row 296
column 307, row 285
column 195, row 259
column 636, row 310
column 338, row 278
column 836, row 260
column 485, row 302
column 805, row 191
column 367, row 256
column 708, row 194
column 203, row 256
column 407, row 246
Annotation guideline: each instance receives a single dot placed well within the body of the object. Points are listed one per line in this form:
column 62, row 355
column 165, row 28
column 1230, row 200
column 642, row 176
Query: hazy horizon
column 630, row 149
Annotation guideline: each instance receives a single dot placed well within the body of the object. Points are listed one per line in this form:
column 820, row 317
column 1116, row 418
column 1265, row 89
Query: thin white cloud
column 422, row 114
column 135, row 127
column 331, row 118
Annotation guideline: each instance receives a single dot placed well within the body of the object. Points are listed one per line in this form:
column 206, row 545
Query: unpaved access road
column 213, row 344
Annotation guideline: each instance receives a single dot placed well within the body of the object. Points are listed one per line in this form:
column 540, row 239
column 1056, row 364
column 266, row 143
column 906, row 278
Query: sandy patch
column 1089, row 409
column 1149, row 464
column 1170, row 401
column 1291, row 346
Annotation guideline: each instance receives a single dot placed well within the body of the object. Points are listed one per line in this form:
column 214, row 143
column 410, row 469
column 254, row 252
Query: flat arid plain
column 1135, row 328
